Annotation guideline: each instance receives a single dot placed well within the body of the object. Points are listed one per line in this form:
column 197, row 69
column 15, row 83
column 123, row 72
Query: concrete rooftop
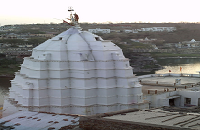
column 26, row 120
column 161, row 83
column 161, row 117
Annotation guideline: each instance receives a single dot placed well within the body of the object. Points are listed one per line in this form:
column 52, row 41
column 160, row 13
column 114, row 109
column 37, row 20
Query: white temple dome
column 80, row 42
column 76, row 72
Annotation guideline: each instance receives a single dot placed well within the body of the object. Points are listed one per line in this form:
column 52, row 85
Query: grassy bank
column 157, row 55
column 9, row 70
column 9, row 66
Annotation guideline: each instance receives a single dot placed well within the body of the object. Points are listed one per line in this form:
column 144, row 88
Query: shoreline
column 6, row 76
column 176, row 57
column 135, row 69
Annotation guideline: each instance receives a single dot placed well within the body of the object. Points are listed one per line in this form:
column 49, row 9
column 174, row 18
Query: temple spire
column 73, row 18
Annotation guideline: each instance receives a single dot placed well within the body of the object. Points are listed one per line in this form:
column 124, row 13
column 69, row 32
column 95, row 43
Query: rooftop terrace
column 165, row 82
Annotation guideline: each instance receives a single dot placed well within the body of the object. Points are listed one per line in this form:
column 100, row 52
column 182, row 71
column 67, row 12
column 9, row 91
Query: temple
column 76, row 72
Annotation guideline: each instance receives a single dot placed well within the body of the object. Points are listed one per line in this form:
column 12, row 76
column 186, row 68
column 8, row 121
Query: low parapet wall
column 162, row 83
column 169, row 74
column 167, row 84
column 97, row 122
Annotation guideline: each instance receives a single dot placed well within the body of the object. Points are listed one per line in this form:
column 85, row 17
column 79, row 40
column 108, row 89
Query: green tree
column 31, row 31
column 36, row 41
column 12, row 41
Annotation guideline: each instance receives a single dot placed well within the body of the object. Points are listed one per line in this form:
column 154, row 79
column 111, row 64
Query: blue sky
column 45, row 11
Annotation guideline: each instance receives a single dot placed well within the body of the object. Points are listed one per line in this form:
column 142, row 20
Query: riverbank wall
column 170, row 50
column 178, row 81
column 169, row 74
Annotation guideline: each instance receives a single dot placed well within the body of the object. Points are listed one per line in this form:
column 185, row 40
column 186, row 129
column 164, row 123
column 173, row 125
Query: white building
column 182, row 90
column 188, row 44
column 7, row 28
column 146, row 29
column 131, row 31
column 1, row 44
column 135, row 31
column 76, row 72
column 22, row 46
column 128, row 31
column 159, row 29
column 98, row 30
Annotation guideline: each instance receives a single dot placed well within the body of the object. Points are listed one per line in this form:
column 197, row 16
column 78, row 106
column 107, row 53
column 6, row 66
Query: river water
column 188, row 65
column 4, row 88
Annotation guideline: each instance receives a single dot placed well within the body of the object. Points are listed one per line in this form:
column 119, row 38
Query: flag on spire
column 66, row 22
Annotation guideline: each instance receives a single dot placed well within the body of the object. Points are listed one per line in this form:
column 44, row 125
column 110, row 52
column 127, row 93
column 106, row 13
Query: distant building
column 128, row 31
column 117, row 31
column 1, row 36
column 131, row 31
column 22, row 46
column 43, row 35
column 7, row 28
column 152, row 29
column 147, row 29
column 1, row 45
column 23, row 36
column 178, row 45
column 135, row 40
column 135, row 31
column 154, row 46
column 12, row 36
column 170, row 45
column 98, row 30
column 158, row 29
column 146, row 40
column 188, row 44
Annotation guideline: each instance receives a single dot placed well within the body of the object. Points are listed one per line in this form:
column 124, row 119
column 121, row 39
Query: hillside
column 142, row 62
column 184, row 32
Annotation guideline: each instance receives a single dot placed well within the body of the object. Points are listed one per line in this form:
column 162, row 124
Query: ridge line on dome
column 88, row 45
column 68, row 39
